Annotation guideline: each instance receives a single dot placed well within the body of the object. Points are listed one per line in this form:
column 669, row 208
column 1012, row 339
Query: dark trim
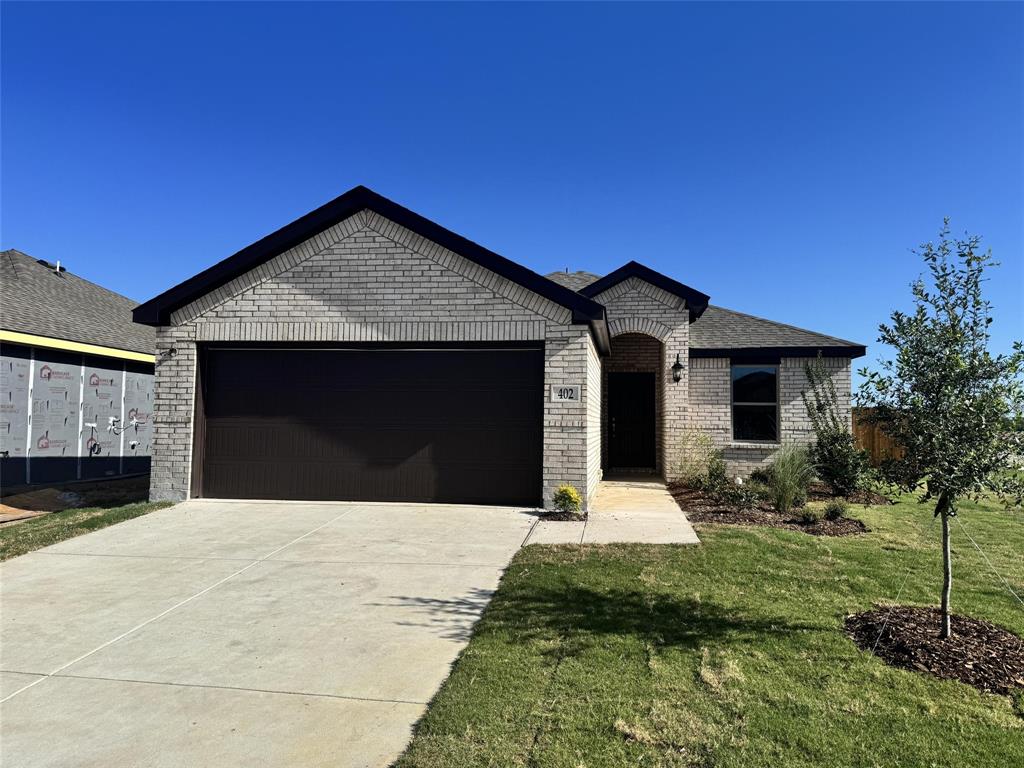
column 696, row 301
column 772, row 355
column 393, row 346
column 198, row 426
column 157, row 310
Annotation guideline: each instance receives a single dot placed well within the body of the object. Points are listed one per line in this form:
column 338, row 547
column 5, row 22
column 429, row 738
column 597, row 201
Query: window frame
column 776, row 366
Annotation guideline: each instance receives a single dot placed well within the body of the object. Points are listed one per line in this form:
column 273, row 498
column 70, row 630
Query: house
column 363, row 352
column 71, row 359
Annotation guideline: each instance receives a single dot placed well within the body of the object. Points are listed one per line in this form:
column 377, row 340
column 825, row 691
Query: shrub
column 790, row 473
column 836, row 509
column 716, row 478
column 742, row 496
column 839, row 463
column 809, row 515
column 567, row 500
column 834, row 454
column 696, row 453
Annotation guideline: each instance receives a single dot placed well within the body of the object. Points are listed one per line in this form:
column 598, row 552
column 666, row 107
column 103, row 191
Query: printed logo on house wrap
column 96, row 381
column 49, row 374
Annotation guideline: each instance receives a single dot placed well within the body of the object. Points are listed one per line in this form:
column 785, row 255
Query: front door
column 631, row 421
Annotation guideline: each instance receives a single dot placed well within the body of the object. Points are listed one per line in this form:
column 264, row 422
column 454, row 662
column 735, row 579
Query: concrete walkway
column 624, row 510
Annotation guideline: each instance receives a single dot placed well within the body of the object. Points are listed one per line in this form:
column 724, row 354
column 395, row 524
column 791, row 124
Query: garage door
column 384, row 424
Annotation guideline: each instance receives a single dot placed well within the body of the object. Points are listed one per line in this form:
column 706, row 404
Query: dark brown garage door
column 383, row 424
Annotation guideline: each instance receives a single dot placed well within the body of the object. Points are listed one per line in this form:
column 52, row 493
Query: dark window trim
column 778, row 403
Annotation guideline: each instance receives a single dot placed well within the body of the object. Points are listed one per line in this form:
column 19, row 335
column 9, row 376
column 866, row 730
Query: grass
column 28, row 535
column 727, row 654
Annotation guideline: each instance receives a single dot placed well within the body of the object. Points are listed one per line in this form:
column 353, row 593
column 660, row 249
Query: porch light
column 677, row 370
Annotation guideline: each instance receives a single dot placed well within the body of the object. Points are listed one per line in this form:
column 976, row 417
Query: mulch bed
column 978, row 653
column 701, row 507
column 821, row 492
column 554, row 514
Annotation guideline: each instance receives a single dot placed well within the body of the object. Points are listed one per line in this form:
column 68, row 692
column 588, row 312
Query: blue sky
column 782, row 158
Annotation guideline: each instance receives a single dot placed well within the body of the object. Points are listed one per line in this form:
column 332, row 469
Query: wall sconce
column 677, row 370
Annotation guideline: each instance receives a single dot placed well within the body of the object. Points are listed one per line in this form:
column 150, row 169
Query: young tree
column 945, row 398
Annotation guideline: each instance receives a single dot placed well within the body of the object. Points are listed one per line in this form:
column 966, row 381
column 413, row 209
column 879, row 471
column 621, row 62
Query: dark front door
column 385, row 424
column 631, row 421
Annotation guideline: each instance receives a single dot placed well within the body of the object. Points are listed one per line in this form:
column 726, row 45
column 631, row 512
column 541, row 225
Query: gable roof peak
column 696, row 301
column 157, row 311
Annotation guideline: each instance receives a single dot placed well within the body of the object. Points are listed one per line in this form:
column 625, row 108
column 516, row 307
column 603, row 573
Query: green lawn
column 27, row 535
column 727, row 654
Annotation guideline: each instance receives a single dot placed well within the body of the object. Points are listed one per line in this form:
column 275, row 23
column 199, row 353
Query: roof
column 574, row 281
column 39, row 300
column 157, row 310
column 695, row 300
column 721, row 330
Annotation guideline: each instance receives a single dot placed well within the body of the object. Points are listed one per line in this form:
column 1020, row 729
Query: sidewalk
column 624, row 510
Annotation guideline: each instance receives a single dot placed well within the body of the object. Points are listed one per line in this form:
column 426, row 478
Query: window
column 755, row 403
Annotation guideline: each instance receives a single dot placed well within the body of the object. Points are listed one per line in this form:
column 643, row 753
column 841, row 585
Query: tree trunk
column 943, row 509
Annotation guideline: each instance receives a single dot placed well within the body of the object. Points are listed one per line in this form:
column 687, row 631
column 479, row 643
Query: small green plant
column 567, row 500
column 790, row 473
column 696, row 452
column 717, row 477
column 809, row 515
column 836, row 509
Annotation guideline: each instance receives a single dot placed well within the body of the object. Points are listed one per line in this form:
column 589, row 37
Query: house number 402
column 561, row 393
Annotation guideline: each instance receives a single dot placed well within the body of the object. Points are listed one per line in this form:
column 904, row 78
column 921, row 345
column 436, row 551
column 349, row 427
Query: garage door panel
column 388, row 425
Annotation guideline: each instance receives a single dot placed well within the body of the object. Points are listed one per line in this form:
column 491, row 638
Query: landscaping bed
column 978, row 653
column 701, row 506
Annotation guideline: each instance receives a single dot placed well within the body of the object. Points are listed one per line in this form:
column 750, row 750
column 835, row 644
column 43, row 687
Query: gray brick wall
column 368, row 279
column 710, row 402
column 637, row 307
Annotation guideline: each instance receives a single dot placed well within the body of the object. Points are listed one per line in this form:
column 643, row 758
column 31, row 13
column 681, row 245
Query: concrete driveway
column 242, row 634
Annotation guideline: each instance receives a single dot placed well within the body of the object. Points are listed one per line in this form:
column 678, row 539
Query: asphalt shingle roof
column 720, row 328
column 35, row 299
column 575, row 281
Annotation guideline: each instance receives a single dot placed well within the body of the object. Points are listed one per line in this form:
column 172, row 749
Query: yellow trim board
column 14, row 337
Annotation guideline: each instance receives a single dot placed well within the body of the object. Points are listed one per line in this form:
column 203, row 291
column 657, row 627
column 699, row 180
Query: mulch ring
column 978, row 653
column 700, row 507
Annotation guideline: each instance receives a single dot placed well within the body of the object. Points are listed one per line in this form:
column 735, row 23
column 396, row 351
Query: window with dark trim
column 755, row 403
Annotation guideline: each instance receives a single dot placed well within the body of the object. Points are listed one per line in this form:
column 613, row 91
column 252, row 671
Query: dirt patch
column 701, row 507
column 30, row 502
column 979, row 653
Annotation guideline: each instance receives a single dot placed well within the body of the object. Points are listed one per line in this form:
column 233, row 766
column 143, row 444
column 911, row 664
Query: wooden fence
column 871, row 439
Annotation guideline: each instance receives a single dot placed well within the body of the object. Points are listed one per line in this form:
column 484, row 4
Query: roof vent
column 55, row 267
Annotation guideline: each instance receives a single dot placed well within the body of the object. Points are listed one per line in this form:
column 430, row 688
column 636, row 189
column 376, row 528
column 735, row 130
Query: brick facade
column 711, row 406
column 369, row 279
column 637, row 307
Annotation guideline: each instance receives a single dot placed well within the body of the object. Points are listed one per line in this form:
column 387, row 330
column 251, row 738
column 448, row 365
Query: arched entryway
column 632, row 405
